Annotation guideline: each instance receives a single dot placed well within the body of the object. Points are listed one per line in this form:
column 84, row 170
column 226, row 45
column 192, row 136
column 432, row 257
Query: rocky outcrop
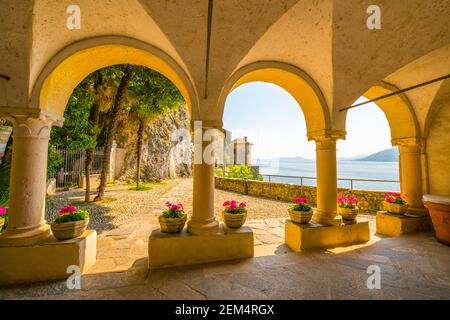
column 166, row 151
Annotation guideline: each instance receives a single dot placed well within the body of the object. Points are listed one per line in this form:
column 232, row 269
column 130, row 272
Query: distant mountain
column 388, row 155
column 357, row 157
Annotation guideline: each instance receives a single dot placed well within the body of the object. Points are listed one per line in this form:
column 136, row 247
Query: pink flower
column 233, row 206
column 242, row 205
column 68, row 209
column 226, row 203
column 175, row 207
column 2, row 211
column 301, row 200
column 168, row 204
column 389, row 199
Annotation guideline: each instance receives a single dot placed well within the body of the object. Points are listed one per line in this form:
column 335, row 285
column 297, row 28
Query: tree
column 117, row 108
column 94, row 116
column 151, row 95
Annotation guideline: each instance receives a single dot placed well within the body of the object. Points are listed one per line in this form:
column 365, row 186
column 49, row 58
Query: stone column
column 203, row 219
column 410, row 165
column 26, row 223
column 326, row 169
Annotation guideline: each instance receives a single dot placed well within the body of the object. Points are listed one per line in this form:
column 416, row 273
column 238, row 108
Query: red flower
column 301, row 200
column 242, row 205
column 68, row 209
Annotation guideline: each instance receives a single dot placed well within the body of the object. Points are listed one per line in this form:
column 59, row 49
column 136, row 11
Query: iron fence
column 68, row 173
column 301, row 180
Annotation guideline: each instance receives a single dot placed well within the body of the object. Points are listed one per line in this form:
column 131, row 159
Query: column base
column 394, row 225
column 300, row 237
column 202, row 228
column 418, row 212
column 26, row 237
column 47, row 261
column 177, row 249
column 327, row 219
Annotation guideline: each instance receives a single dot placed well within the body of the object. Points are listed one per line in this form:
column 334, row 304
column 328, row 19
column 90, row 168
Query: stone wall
column 161, row 157
column 370, row 201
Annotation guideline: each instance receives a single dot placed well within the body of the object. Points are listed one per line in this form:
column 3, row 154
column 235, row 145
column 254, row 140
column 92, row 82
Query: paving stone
column 414, row 266
column 269, row 238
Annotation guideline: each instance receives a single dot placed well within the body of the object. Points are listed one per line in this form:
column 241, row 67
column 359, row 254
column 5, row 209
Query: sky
column 273, row 121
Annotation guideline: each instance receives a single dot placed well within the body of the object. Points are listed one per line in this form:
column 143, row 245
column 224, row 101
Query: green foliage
column 151, row 94
column 142, row 187
column 54, row 159
column 169, row 213
column 240, row 172
column 5, row 224
column 301, row 207
column 77, row 133
column 74, row 216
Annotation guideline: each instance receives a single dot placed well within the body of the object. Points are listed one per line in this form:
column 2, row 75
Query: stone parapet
column 369, row 201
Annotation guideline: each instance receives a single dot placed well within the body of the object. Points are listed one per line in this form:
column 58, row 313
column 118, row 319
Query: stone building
column 241, row 151
column 325, row 53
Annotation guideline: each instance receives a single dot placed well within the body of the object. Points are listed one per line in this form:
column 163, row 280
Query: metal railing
column 302, row 178
column 69, row 172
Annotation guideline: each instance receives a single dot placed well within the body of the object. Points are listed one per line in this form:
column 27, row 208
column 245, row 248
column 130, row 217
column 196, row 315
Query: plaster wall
column 438, row 149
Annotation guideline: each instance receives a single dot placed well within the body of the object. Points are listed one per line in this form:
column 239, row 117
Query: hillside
column 388, row 155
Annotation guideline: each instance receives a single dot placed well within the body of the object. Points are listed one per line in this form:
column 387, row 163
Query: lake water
column 346, row 169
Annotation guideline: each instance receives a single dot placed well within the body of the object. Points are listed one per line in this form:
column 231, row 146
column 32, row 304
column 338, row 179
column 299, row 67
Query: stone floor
column 412, row 267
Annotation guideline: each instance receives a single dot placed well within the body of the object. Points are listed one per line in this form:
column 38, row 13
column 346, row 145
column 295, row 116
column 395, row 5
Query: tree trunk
column 93, row 120
column 117, row 109
column 140, row 140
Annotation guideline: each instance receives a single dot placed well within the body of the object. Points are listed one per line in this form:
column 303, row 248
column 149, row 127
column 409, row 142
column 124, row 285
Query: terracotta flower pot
column 69, row 230
column 302, row 217
column 439, row 208
column 234, row 220
column 395, row 207
column 172, row 225
column 347, row 213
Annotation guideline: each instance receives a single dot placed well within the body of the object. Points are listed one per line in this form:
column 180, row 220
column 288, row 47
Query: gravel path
column 119, row 205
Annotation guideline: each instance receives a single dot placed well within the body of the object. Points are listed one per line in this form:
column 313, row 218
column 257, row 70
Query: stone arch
column 292, row 79
column 71, row 65
column 398, row 111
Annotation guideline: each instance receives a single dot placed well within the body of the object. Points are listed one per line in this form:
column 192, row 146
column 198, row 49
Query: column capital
column 326, row 139
column 323, row 135
column 31, row 122
column 410, row 144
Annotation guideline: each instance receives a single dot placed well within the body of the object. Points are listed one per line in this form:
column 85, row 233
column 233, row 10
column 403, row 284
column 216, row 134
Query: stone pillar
column 203, row 219
column 26, row 222
column 326, row 168
column 410, row 165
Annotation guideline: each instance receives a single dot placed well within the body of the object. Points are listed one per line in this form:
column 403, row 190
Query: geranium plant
column 394, row 197
column 70, row 214
column 347, row 202
column 300, row 204
column 234, row 207
column 173, row 210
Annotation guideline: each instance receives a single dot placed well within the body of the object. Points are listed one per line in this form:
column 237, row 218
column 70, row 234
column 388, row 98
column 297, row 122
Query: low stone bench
column 394, row 225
